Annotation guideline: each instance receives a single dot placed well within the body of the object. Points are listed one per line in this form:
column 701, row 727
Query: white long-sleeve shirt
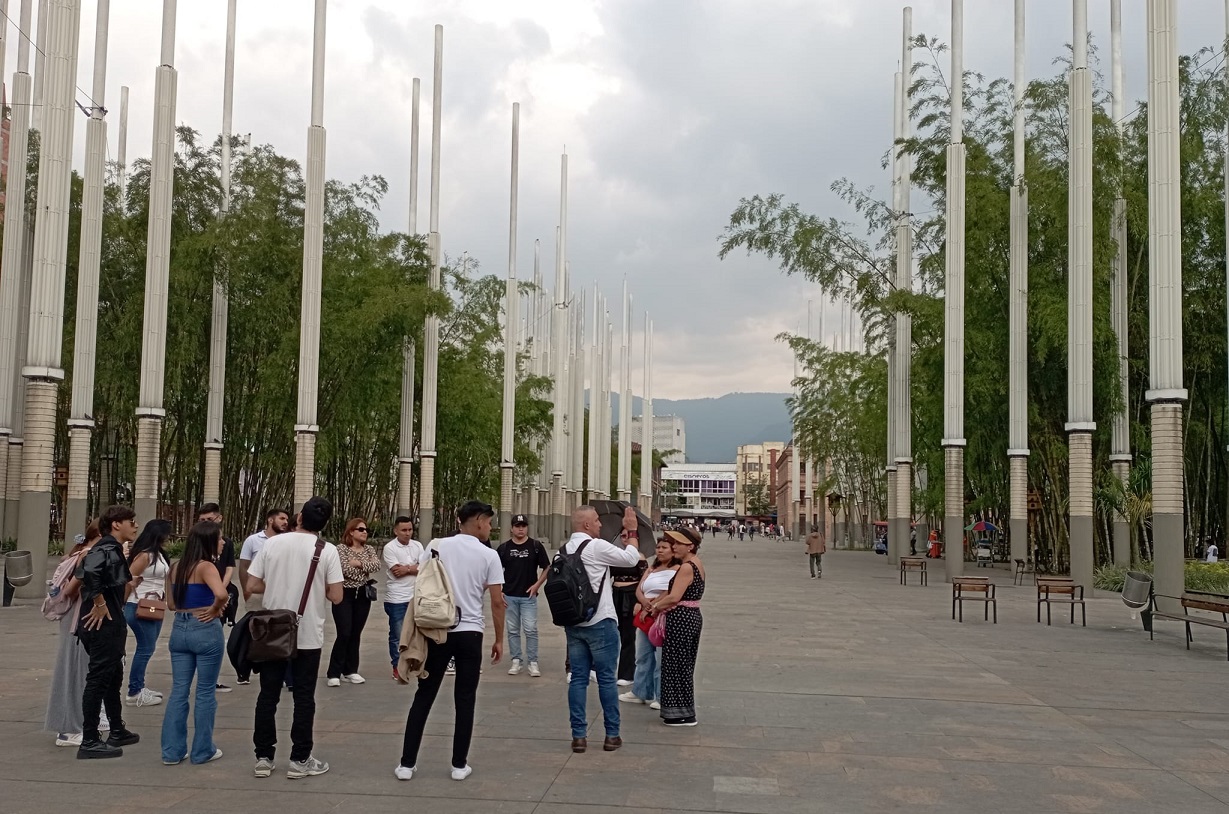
column 598, row 558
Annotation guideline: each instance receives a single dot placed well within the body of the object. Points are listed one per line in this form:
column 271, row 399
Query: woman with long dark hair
column 198, row 599
column 64, row 716
column 358, row 562
column 683, row 625
column 149, row 566
column 646, row 686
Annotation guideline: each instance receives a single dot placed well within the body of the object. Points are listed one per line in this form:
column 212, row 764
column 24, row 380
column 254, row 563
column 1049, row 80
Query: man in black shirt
column 104, row 577
column 224, row 561
column 522, row 558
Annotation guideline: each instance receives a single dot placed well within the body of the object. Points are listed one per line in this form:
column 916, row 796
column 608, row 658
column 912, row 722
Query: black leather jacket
column 104, row 572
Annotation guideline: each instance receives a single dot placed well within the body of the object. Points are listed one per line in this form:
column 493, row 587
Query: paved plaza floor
column 845, row 694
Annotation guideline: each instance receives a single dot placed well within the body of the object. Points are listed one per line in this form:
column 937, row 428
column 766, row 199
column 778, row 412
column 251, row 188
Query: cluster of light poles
column 1166, row 394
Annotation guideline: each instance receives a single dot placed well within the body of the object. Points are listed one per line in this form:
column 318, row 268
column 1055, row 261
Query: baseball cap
column 520, row 520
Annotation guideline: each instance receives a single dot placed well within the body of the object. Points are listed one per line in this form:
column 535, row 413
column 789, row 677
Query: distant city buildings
column 698, row 491
column 669, row 433
column 756, row 479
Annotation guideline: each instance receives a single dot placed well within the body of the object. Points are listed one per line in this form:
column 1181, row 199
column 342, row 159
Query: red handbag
column 642, row 621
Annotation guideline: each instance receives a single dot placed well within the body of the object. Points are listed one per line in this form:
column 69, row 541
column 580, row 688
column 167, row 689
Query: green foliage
column 840, row 406
column 1199, row 576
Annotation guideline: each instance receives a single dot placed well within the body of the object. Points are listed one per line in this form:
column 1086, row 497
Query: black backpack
column 568, row 591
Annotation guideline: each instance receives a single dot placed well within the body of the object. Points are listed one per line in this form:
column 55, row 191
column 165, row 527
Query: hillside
column 717, row 426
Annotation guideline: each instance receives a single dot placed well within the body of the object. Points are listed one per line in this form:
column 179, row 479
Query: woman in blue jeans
column 646, row 688
column 198, row 598
column 149, row 566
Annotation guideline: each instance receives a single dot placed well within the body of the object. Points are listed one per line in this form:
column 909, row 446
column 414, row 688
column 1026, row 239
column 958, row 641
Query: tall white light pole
column 594, row 363
column 1017, row 376
column 625, row 401
column 953, row 329
column 559, row 345
column 46, row 315
column 121, row 152
column 1080, row 423
column 893, row 385
column 431, row 326
column 904, row 322
column 576, row 420
column 212, row 486
column 157, row 275
column 81, row 419
column 507, row 464
column 405, row 447
column 795, row 467
column 1120, row 436
column 645, row 496
column 15, row 287
column 1166, row 392
column 608, row 488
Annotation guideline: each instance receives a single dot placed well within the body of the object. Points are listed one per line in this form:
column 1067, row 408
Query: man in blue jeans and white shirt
column 594, row 645
column 526, row 565
column 401, row 555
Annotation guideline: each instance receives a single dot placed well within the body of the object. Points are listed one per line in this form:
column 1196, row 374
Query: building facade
column 756, row 482
column 669, row 433
column 697, row 491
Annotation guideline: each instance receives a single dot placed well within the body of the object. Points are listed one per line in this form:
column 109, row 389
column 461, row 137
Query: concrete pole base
column 893, row 522
column 426, row 498
column 304, row 467
column 12, row 495
column 1017, row 523
column 145, row 496
column 904, row 507
column 1168, row 533
column 1122, row 530
column 211, row 488
column 1083, row 557
column 38, row 460
column 4, row 470
column 405, row 488
column 558, row 523
column 953, row 512
column 76, row 511
column 505, row 501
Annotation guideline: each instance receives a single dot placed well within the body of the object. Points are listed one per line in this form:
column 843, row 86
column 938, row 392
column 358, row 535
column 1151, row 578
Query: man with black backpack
column 578, row 591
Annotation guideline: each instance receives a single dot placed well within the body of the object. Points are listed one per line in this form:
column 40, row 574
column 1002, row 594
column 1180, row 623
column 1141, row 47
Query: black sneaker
column 221, row 688
column 96, row 750
column 243, row 681
column 122, row 737
column 680, row 721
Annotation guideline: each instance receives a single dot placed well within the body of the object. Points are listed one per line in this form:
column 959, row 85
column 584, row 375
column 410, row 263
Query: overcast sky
column 671, row 110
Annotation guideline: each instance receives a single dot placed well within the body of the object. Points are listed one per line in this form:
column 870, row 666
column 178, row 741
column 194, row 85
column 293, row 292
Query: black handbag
column 368, row 591
column 274, row 633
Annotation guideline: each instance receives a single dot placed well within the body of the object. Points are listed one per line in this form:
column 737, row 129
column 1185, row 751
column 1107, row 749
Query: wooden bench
column 908, row 564
column 1196, row 600
column 966, row 589
column 1063, row 591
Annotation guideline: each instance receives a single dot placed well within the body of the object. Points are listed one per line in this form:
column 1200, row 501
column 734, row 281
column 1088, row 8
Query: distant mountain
column 717, row 426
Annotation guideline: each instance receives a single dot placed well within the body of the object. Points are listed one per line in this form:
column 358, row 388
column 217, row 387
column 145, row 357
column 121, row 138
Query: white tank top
column 153, row 580
column 657, row 582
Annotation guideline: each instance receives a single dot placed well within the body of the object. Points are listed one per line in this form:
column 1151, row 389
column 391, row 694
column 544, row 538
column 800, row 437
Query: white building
column 698, row 490
column 669, row 432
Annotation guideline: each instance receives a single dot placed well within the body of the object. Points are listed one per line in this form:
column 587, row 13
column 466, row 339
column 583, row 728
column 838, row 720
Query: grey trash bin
column 18, row 571
column 1137, row 595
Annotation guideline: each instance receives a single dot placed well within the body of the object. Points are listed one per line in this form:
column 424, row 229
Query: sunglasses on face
column 363, row 529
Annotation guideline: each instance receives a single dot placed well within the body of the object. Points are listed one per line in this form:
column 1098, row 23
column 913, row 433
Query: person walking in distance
column 104, row 577
column 358, row 562
column 816, row 546
column 525, row 563
column 401, row 555
column 472, row 568
column 281, row 574
column 594, row 644
column 277, row 521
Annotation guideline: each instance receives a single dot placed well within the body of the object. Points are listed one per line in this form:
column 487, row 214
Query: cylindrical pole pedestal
column 304, row 466
column 953, row 512
column 1080, row 509
column 77, row 508
column 38, row 458
column 1168, row 534
column 1017, row 518
column 211, row 489
column 145, row 497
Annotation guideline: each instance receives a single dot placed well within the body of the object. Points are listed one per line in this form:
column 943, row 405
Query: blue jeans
column 196, row 648
column 647, row 685
column 522, row 614
column 146, row 632
column 396, row 616
column 593, row 648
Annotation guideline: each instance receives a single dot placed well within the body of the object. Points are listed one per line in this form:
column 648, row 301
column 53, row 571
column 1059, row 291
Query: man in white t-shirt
column 473, row 568
column 594, row 645
column 401, row 555
column 276, row 522
column 280, row 573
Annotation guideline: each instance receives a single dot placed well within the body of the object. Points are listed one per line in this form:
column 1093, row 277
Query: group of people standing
column 121, row 580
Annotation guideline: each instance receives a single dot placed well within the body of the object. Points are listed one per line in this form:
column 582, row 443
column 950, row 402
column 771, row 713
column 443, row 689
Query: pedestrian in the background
column 148, row 563
column 816, row 546
column 358, row 563
column 526, row 565
column 401, row 555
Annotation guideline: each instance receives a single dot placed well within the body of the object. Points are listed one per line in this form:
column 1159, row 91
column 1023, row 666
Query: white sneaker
column 592, row 675
column 655, row 705
column 333, row 682
column 306, row 768
column 68, row 739
column 461, row 774
column 405, row 772
column 623, row 682
column 354, row 678
column 217, row 755
column 145, row 698
column 534, row 672
column 630, row 698
column 515, row 669
column 264, row 767
column 452, row 668
column 154, row 692
column 567, row 677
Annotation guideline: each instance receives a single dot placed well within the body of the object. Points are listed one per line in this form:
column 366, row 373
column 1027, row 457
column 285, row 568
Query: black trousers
column 232, row 605
column 466, row 648
column 625, row 606
column 306, row 669
column 105, row 677
column 350, row 616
